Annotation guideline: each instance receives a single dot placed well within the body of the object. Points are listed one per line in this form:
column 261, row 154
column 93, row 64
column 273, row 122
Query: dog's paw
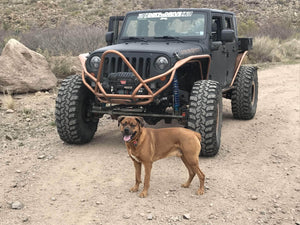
column 200, row 192
column 185, row 185
column 134, row 189
column 143, row 194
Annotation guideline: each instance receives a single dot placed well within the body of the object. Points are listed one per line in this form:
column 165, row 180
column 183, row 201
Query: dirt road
column 255, row 178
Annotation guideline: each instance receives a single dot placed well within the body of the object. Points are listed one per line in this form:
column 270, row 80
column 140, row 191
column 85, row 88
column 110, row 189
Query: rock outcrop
column 23, row 70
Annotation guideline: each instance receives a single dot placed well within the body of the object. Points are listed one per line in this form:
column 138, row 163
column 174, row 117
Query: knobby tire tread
column 70, row 125
column 205, row 98
column 241, row 100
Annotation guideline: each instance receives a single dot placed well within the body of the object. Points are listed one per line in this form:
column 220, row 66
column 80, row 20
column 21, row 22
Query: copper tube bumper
column 134, row 98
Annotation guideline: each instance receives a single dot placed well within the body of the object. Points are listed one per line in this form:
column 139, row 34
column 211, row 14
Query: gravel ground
column 255, row 178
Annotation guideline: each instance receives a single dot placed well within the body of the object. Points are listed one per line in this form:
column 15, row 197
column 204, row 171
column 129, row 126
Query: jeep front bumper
column 141, row 94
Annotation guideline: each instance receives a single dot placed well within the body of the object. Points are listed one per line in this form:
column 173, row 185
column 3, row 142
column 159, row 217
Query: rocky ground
column 255, row 178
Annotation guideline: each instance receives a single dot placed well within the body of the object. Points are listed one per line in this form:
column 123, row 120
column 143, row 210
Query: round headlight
column 95, row 62
column 161, row 63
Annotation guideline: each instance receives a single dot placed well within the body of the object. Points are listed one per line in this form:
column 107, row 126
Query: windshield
column 164, row 24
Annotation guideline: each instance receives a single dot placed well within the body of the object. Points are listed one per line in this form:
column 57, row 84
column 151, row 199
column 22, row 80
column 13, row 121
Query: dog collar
column 134, row 142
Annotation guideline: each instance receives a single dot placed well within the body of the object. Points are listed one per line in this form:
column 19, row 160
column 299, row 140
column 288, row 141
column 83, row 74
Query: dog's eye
column 132, row 125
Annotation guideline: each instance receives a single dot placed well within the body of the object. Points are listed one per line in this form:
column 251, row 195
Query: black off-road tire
column 245, row 93
column 205, row 115
column 75, row 124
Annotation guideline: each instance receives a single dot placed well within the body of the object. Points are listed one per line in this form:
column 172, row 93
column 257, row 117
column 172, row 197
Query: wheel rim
column 217, row 122
column 253, row 96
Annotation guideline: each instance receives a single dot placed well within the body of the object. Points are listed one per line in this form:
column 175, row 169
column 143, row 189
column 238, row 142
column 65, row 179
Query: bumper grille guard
column 134, row 98
column 114, row 64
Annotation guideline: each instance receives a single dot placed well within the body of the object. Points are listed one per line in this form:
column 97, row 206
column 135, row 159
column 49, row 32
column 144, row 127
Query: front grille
column 114, row 64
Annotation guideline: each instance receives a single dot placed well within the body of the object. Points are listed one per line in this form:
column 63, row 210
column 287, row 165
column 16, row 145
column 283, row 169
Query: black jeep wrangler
column 162, row 64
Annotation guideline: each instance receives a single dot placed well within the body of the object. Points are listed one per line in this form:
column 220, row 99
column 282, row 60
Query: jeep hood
column 172, row 49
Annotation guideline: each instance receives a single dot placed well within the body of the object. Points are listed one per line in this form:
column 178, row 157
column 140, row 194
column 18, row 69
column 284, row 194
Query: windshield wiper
column 170, row 37
column 137, row 39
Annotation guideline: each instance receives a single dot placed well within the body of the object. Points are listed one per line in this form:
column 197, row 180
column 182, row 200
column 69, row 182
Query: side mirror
column 228, row 35
column 109, row 37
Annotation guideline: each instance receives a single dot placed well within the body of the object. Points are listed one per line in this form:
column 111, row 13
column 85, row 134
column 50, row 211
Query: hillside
column 70, row 27
column 22, row 15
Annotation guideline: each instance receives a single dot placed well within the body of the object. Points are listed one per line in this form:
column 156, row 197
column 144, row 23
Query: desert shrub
column 62, row 67
column 2, row 43
column 8, row 102
column 290, row 49
column 65, row 39
column 247, row 28
column 281, row 28
column 265, row 49
column 5, row 35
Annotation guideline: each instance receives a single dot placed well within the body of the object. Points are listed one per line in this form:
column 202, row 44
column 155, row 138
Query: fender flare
column 238, row 63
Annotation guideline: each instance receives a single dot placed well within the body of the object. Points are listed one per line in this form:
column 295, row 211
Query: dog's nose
column 126, row 130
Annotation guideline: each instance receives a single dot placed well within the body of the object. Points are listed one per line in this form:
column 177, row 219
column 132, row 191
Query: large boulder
column 23, row 70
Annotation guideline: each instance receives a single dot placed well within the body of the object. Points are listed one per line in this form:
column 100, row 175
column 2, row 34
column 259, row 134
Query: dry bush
column 280, row 28
column 5, row 35
column 2, row 36
column 8, row 102
column 62, row 68
column 291, row 49
column 66, row 39
column 265, row 49
column 247, row 28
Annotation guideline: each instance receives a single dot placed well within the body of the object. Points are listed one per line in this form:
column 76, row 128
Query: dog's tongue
column 126, row 137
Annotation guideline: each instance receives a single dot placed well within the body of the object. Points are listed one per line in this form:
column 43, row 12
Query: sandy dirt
column 255, row 178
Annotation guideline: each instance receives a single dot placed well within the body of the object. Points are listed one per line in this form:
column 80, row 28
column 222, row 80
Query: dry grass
column 266, row 49
column 65, row 39
column 291, row 49
column 62, row 67
column 8, row 102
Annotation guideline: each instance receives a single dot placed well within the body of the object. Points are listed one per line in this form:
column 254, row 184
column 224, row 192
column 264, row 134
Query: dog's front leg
column 138, row 169
column 148, row 167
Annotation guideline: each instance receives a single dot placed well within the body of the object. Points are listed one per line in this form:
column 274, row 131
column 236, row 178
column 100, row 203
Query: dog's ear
column 140, row 120
column 120, row 118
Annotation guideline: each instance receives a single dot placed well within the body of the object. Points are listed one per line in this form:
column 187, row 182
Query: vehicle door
column 218, row 54
column 231, row 48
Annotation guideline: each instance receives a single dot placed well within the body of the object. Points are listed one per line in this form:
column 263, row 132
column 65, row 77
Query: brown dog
column 146, row 145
